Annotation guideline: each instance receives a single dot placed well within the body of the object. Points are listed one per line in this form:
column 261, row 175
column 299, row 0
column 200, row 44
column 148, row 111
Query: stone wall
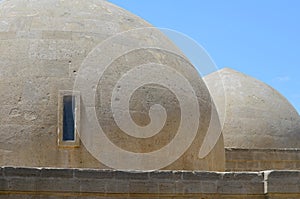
column 262, row 159
column 46, row 183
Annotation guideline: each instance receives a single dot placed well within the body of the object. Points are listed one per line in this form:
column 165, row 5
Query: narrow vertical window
column 68, row 118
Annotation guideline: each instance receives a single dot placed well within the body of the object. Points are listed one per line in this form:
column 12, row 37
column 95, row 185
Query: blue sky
column 258, row 38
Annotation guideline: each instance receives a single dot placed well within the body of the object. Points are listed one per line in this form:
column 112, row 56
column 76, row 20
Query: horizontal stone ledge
column 174, row 182
column 128, row 175
column 112, row 181
column 50, row 195
column 262, row 150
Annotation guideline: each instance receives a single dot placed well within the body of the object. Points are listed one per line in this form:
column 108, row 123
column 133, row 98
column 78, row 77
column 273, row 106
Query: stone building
column 97, row 103
column 260, row 127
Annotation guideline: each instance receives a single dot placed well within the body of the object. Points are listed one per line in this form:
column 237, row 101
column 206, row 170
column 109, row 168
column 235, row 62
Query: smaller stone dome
column 255, row 115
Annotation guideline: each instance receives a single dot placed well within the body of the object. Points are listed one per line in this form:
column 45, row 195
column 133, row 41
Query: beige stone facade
column 262, row 159
column 49, row 47
column 45, row 47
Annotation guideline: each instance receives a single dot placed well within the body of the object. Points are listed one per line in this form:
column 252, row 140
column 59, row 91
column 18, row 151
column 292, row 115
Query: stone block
column 93, row 185
column 245, row 176
column 20, row 23
column 131, row 175
column 7, row 35
column 14, row 47
column 117, row 186
column 57, row 184
column 29, row 34
column 289, row 165
column 10, row 92
column 252, row 166
column 192, row 187
column 261, row 159
column 66, row 35
column 33, row 68
column 93, row 174
column 179, row 187
column 298, row 164
column 3, row 184
column 167, row 187
column 50, row 49
column 241, row 165
column 230, row 165
column 165, row 175
column 241, row 183
column 199, row 176
column 287, row 182
column 57, row 173
column 239, row 154
column 20, row 196
column 141, row 186
column 209, row 186
column 21, row 172
column 277, row 165
column 22, row 184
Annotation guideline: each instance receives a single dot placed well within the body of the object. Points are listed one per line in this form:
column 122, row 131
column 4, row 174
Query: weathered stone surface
column 43, row 45
column 242, row 183
column 59, row 173
column 118, row 186
column 254, row 115
column 262, row 159
column 120, row 175
column 139, row 186
column 200, row 176
column 3, row 184
column 21, row 183
column 21, row 172
column 95, row 174
column 287, row 182
column 165, row 176
column 58, row 185
column 90, row 185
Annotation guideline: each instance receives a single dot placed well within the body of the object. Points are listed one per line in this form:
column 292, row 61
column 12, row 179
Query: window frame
column 76, row 141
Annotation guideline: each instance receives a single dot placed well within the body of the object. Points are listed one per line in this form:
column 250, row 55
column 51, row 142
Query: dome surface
column 255, row 115
column 48, row 45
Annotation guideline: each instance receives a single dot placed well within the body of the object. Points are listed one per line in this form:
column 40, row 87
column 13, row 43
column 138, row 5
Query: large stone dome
column 255, row 115
column 47, row 45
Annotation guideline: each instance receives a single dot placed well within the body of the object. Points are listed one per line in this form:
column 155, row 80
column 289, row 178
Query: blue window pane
column 68, row 118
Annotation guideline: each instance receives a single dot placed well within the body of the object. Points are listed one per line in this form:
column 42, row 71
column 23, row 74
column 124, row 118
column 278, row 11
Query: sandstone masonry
column 24, row 183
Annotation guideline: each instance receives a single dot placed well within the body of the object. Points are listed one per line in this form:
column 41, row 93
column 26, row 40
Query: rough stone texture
column 262, row 159
column 255, row 115
column 42, row 46
column 84, row 183
column 282, row 184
